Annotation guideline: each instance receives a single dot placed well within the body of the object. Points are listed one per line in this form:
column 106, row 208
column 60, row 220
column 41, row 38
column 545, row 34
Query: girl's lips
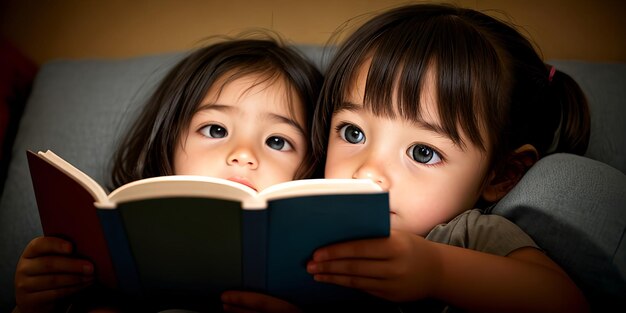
column 243, row 181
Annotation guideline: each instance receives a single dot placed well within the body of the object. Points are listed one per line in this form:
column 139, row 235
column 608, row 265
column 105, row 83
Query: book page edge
column 184, row 186
column 93, row 187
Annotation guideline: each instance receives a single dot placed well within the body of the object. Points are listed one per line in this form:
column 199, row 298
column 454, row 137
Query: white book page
column 179, row 185
column 307, row 187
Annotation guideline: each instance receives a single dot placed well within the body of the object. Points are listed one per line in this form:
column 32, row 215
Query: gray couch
column 574, row 207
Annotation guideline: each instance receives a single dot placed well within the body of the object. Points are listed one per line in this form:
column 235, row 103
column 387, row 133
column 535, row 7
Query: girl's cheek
column 334, row 170
column 340, row 162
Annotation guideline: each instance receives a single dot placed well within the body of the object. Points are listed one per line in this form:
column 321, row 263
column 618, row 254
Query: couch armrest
column 575, row 209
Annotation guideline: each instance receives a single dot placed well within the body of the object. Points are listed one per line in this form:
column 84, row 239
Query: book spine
column 119, row 249
column 254, row 244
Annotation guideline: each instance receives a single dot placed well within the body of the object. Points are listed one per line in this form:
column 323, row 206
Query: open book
column 182, row 240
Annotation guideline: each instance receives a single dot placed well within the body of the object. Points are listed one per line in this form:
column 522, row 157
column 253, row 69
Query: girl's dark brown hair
column 487, row 76
column 148, row 148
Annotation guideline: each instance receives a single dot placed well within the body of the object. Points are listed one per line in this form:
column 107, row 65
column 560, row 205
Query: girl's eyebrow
column 215, row 106
column 286, row 120
column 435, row 128
column 271, row 116
column 349, row 106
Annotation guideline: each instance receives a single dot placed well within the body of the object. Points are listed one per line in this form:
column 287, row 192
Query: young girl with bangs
column 238, row 109
column 446, row 108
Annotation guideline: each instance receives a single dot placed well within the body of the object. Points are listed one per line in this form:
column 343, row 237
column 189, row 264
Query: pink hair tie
column 552, row 71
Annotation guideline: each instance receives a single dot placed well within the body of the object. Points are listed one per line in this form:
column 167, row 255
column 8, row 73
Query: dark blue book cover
column 298, row 226
column 189, row 250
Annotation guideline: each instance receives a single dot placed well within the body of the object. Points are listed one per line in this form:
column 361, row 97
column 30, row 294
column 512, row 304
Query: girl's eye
column 278, row 143
column 424, row 154
column 214, row 131
column 351, row 134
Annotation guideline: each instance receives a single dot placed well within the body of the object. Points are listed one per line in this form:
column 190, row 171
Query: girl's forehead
column 249, row 79
column 275, row 87
column 246, row 84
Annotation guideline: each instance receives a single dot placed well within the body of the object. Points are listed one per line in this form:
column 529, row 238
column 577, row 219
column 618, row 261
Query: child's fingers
column 34, row 284
column 54, row 264
column 363, row 249
column 352, row 267
column 46, row 245
column 394, row 246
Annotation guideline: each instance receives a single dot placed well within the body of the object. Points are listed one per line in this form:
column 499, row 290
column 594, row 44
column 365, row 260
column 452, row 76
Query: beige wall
column 48, row 29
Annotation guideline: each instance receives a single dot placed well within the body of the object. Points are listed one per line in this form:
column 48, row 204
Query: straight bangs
column 464, row 63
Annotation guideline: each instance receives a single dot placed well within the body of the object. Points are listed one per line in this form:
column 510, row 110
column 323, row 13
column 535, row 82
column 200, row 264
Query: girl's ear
column 516, row 166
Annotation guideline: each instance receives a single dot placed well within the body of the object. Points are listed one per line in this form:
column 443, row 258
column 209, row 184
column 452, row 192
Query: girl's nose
column 242, row 157
column 374, row 172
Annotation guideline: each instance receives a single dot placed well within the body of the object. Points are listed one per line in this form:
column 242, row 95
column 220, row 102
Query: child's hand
column 47, row 273
column 399, row 268
column 244, row 301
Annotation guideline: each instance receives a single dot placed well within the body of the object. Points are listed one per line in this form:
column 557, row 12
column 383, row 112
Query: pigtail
column 572, row 134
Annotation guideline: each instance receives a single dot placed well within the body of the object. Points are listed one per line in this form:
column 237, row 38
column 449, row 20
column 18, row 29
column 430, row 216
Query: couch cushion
column 575, row 209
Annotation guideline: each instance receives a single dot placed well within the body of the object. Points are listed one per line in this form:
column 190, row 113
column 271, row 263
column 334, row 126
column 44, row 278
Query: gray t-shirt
column 482, row 232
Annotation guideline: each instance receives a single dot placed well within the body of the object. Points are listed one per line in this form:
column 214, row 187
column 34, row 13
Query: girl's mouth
column 243, row 181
